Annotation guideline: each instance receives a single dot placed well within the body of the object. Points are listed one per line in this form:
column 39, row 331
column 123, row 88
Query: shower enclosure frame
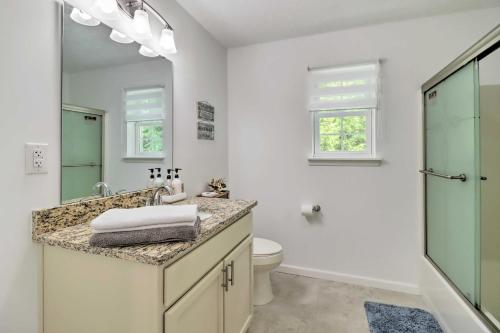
column 91, row 111
column 479, row 50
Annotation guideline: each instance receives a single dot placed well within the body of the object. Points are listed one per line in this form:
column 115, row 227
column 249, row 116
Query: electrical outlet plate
column 36, row 158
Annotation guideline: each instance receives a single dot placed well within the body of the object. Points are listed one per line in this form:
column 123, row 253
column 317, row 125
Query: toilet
column 267, row 255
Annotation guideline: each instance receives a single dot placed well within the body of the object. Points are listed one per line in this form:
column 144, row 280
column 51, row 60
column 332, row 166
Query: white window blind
column 144, row 104
column 343, row 88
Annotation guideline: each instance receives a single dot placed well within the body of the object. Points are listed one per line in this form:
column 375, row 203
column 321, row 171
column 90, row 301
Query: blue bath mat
column 385, row 318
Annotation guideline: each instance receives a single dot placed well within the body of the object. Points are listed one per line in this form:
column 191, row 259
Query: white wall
column 200, row 69
column 29, row 105
column 103, row 89
column 368, row 231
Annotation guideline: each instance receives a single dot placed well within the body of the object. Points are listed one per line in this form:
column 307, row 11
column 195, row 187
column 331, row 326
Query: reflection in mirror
column 116, row 112
column 489, row 109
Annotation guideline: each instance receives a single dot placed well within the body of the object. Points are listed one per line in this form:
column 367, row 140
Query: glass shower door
column 451, row 127
column 81, row 154
column 489, row 108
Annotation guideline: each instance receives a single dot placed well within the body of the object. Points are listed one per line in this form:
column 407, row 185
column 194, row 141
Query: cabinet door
column 238, row 306
column 201, row 309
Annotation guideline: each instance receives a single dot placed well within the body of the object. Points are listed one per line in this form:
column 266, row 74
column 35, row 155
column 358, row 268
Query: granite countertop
column 224, row 213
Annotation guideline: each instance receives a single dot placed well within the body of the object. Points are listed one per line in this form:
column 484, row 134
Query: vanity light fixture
column 140, row 12
column 147, row 52
column 120, row 38
column 79, row 16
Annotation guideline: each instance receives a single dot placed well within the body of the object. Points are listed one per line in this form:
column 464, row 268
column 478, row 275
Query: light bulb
column 119, row 37
column 107, row 6
column 167, row 42
column 147, row 52
column 79, row 16
column 140, row 23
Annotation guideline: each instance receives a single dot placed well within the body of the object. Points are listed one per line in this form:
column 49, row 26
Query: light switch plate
column 36, row 158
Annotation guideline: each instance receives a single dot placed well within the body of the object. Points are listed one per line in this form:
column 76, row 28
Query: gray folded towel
column 147, row 236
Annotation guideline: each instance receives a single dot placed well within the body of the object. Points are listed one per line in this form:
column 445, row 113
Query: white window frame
column 131, row 132
column 137, row 143
column 368, row 153
column 317, row 109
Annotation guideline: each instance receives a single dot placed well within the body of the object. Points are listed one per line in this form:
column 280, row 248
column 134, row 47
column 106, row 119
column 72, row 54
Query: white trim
column 352, row 279
column 345, row 161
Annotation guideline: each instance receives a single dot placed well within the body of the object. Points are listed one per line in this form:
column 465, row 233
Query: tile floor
column 306, row 305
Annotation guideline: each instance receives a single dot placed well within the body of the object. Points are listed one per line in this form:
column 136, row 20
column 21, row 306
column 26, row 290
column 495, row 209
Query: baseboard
column 352, row 279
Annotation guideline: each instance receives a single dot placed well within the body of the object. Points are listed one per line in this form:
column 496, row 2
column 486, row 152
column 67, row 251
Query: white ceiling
column 243, row 22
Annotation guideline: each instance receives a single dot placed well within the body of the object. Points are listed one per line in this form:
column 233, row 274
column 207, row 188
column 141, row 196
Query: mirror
column 116, row 117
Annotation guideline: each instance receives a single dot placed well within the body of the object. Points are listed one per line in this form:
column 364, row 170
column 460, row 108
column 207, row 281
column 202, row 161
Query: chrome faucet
column 157, row 192
column 103, row 188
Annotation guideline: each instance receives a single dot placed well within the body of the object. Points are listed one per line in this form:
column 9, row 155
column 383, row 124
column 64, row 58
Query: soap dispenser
column 177, row 184
column 168, row 182
column 151, row 178
column 158, row 180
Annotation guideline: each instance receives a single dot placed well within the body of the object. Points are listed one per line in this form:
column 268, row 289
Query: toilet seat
column 264, row 247
column 261, row 262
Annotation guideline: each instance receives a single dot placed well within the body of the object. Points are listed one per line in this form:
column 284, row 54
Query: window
column 144, row 122
column 343, row 105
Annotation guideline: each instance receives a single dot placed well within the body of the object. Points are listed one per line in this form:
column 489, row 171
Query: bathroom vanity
column 200, row 286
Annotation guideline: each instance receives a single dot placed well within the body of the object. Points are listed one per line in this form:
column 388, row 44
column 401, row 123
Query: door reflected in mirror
column 116, row 118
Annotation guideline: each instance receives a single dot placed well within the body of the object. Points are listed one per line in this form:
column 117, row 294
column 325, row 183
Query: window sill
column 345, row 161
column 138, row 159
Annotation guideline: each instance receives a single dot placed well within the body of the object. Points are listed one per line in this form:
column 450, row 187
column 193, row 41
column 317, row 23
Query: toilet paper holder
column 310, row 210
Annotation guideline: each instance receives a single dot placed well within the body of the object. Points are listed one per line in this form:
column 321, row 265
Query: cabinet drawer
column 183, row 274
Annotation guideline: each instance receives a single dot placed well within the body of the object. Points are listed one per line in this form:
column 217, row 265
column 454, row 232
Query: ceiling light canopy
column 120, row 38
column 79, row 16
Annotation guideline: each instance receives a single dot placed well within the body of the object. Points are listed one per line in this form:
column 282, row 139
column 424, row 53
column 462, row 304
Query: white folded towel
column 118, row 219
column 173, row 198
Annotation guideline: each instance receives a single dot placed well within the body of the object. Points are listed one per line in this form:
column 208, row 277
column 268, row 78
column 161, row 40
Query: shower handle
column 462, row 177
